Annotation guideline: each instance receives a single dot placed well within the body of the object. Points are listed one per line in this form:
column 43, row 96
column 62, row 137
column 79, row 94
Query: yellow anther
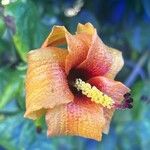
column 94, row 94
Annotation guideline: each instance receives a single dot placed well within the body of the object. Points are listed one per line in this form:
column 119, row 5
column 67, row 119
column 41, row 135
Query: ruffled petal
column 46, row 81
column 98, row 60
column 78, row 46
column 117, row 63
column 56, row 37
column 114, row 89
column 80, row 118
column 85, row 28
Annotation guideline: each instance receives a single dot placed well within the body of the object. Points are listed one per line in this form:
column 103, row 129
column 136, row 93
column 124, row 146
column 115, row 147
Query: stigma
column 94, row 94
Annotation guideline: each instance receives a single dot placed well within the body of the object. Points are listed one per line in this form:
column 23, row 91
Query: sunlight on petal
column 56, row 36
column 117, row 63
column 87, row 28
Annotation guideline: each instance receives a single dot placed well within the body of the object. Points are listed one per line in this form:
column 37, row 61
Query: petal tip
column 85, row 28
column 27, row 115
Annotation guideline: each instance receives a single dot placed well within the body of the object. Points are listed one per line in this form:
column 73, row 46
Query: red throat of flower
column 80, row 88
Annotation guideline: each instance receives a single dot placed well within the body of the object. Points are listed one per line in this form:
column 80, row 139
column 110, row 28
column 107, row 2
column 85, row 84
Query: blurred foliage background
column 123, row 24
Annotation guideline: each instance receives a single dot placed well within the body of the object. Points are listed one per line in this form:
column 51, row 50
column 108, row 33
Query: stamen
column 129, row 100
column 95, row 94
column 123, row 106
column 127, row 95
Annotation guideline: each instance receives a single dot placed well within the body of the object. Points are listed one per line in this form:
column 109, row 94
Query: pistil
column 94, row 94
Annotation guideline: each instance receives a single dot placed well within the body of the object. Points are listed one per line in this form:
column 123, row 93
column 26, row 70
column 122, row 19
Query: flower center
column 73, row 75
column 78, row 86
column 93, row 93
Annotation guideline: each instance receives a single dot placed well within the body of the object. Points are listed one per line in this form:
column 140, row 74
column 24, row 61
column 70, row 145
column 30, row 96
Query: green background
column 123, row 24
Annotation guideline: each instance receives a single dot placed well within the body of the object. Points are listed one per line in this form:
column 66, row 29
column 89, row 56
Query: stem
column 132, row 64
column 8, row 113
column 130, row 80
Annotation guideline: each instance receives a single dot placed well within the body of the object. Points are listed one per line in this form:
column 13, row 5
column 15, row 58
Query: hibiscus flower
column 74, row 87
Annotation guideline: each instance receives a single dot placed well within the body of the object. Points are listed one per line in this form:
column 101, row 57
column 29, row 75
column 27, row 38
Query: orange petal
column 117, row 63
column 78, row 46
column 46, row 81
column 112, row 88
column 80, row 118
column 87, row 28
column 108, row 114
column 56, row 36
column 98, row 60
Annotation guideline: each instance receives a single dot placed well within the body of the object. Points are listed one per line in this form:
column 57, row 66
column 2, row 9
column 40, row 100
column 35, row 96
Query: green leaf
column 11, row 130
column 145, row 102
column 40, row 35
column 7, row 145
column 12, row 84
column 26, row 19
column 20, row 134
column 141, row 106
column 3, row 46
column 137, row 104
column 2, row 26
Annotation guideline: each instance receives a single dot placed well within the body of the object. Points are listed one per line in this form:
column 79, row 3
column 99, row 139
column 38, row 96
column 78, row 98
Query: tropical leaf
column 11, row 85
column 26, row 20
